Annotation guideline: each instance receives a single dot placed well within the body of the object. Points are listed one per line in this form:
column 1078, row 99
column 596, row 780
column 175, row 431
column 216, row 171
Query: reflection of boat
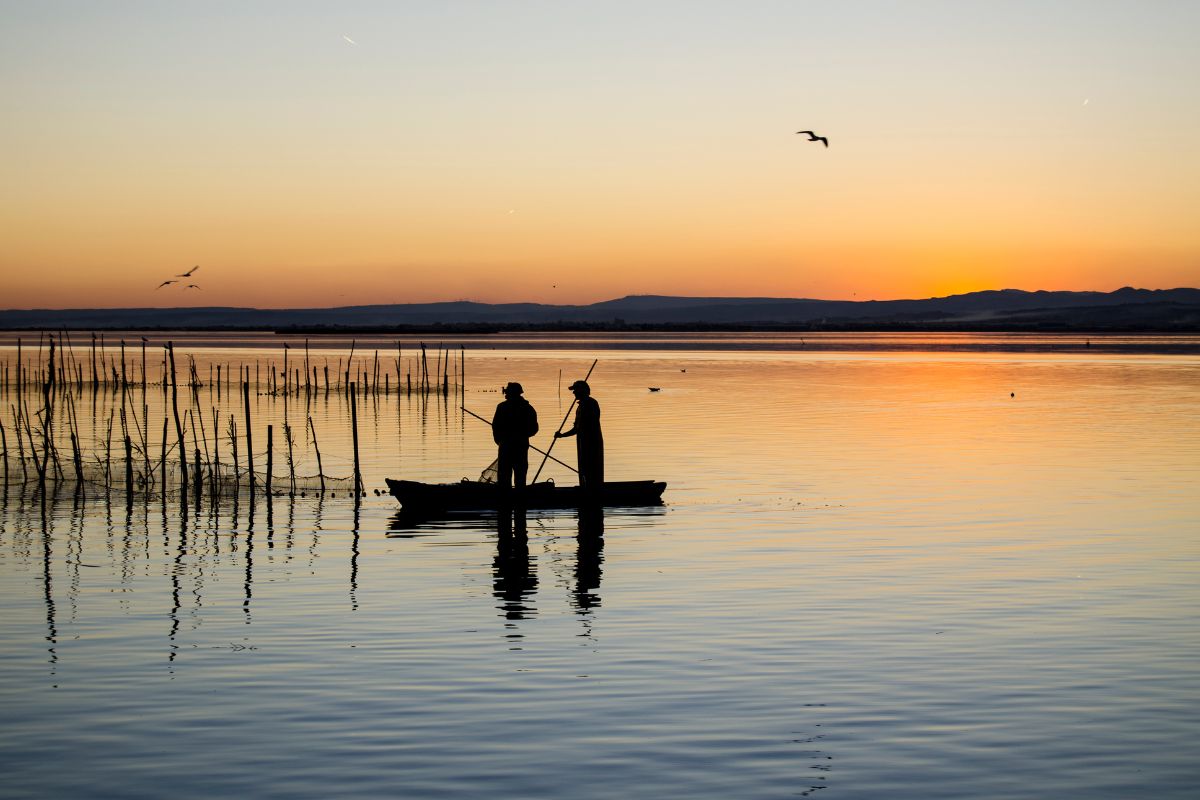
column 478, row 496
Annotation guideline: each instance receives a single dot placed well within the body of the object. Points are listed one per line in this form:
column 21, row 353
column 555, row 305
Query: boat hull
column 476, row 496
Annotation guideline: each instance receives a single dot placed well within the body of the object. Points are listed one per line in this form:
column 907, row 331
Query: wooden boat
column 477, row 496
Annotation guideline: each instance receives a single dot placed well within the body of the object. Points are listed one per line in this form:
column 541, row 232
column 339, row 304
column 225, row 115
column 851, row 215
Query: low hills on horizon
column 1127, row 309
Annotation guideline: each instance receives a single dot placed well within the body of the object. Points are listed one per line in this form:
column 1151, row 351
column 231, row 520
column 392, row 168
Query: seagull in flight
column 188, row 274
column 190, row 286
column 812, row 137
column 164, row 283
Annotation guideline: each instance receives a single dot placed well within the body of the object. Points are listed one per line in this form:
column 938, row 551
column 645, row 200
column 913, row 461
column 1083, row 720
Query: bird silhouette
column 188, row 274
column 190, row 286
column 164, row 283
column 812, row 137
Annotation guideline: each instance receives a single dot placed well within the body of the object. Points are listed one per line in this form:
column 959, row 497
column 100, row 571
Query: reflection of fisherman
column 589, row 441
column 514, row 581
column 588, row 558
column 514, row 422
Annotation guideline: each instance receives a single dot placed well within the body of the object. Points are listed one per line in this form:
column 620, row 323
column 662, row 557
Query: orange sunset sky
column 318, row 154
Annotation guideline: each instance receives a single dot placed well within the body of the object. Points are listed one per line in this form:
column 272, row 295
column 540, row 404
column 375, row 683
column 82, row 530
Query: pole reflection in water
column 515, row 581
column 176, row 577
column 249, row 559
column 354, row 560
column 47, row 557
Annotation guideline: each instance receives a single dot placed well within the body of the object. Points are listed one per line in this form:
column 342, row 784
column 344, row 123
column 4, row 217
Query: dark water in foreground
column 906, row 574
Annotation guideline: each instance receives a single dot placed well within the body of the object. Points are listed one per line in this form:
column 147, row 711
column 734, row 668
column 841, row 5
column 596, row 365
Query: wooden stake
column 128, row 471
column 249, row 439
column 354, row 428
column 178, row 425
column 162, row 459
column 320, row 469
column 270, row 460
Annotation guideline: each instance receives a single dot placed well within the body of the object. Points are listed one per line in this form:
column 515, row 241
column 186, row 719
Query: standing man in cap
column 589, row 442
column 514, row 422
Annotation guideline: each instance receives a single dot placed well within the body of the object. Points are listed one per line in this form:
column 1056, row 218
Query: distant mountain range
column 1126, row 309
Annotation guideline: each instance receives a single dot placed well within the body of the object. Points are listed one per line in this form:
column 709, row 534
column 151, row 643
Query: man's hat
column 514, row 388
column 579, row 385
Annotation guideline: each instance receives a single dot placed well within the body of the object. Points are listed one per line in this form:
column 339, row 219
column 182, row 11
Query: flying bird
column 188, row 274
column 190, row 286
column 812, row 137
column 165, row 283
column 348, row 39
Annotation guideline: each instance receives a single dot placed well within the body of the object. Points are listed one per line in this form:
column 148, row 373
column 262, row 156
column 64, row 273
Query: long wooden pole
column 354, row 429
column 531, row 447
column 178, row 427
column 249, row 438
column 320, row 469
column 574, row 400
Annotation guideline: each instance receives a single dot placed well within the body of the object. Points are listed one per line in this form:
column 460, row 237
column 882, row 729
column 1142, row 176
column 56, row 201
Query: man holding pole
column 514, row 423
column 589, row 441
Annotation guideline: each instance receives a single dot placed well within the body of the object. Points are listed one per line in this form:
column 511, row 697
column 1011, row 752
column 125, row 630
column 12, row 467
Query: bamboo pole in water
column 198, row 482
column 270, row 460
column 162, row 459
column 317, row 447
column 20, row 441
column 216, row 464
column 178, row 424
column 354, row 431
column 128, row 472
column 287, row 435
column 249, row 439
column 76, row 458
column 233, row 441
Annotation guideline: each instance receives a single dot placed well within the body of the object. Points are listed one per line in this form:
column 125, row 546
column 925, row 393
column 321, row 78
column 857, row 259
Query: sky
column 322, row 154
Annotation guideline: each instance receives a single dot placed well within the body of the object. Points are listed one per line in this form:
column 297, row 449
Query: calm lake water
column 887, row 566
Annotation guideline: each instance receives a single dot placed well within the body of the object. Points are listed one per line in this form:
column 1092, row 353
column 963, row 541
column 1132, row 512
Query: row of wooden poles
column 106, row 371
column 34, row 429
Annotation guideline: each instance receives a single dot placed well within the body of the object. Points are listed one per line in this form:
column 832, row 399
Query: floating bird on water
column 656, row 388
column 188, row 274
column 165, row 283
column 812, row 137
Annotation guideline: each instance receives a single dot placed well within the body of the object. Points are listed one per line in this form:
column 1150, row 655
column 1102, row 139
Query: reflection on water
column 918, row 568
column 516, row 578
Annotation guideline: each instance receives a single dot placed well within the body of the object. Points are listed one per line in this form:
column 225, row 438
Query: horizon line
column 1126, row 288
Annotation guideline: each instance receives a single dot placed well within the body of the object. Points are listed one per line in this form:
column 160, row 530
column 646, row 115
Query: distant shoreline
column 475, row 329
column 665, row 340
column 1125, row 310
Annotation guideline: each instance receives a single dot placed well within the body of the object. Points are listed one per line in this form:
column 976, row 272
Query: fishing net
column 491, row 474
column 99, row 476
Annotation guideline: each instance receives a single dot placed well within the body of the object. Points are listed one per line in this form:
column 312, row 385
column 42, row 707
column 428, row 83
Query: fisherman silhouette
column 514, row 422
column 589, row 441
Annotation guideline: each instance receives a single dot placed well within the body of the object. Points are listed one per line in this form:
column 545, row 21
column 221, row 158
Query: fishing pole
column 531, row 447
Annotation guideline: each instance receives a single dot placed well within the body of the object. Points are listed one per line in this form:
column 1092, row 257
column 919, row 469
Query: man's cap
column 513, row 388
column 579, row 385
